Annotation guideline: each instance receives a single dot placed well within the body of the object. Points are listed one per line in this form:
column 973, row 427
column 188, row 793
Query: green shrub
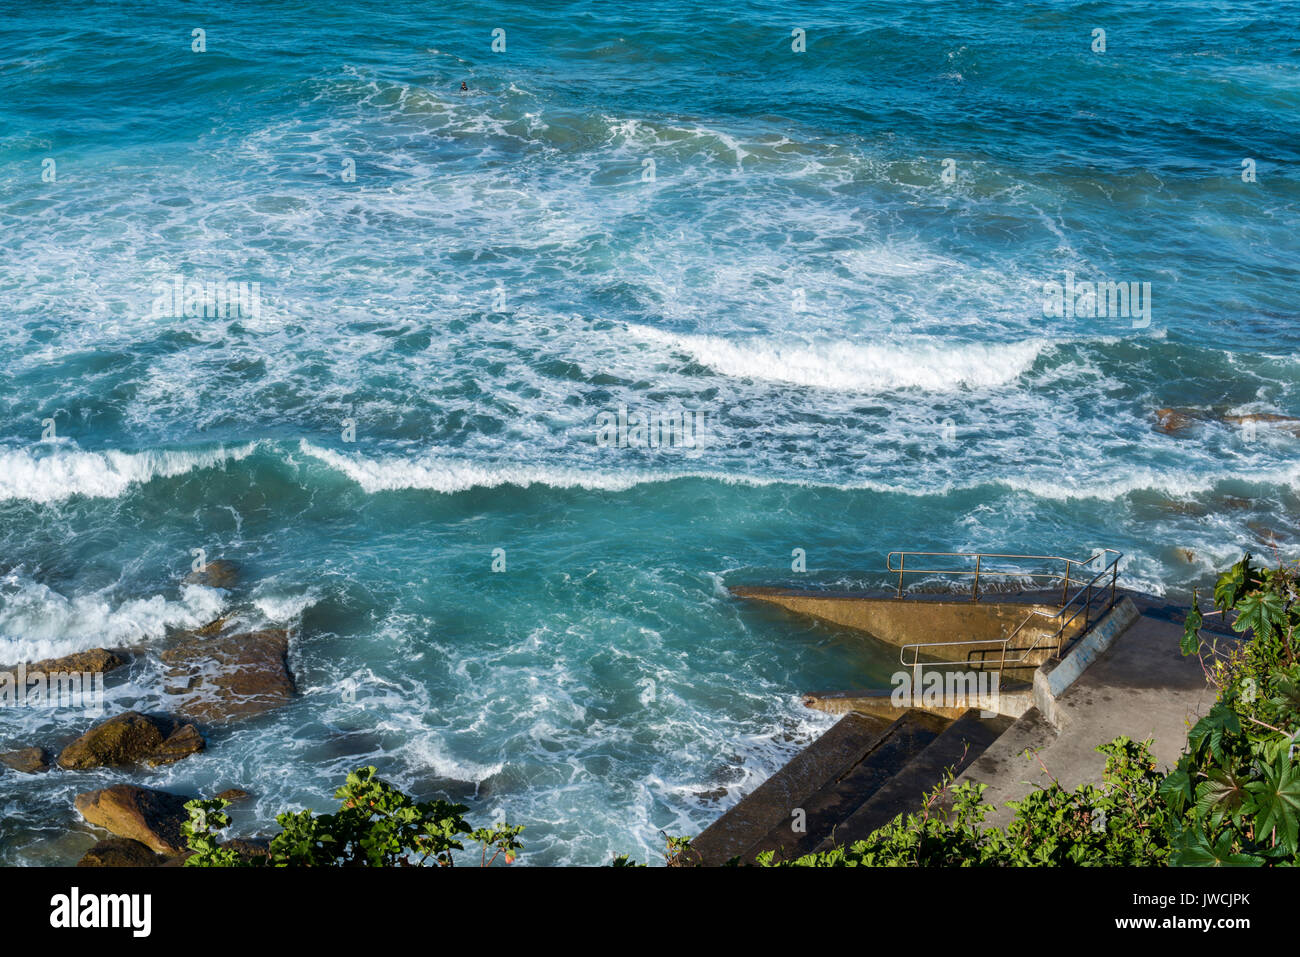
column 376, row 825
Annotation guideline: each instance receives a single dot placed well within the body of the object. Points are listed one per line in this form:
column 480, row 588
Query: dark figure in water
column 463, row 87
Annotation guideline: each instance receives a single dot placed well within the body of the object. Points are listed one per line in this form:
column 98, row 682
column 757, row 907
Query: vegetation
column 376, row 826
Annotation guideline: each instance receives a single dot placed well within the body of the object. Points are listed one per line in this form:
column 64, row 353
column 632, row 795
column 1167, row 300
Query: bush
column 376, row 826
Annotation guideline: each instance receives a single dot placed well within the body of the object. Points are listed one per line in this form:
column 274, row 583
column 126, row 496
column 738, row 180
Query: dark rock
column 181, row 743
column 131, row 737
column 26, row 760
column 232, row 795
column 122, row 739
column 217, row 573
column 1170, row 421
column 249, row 848
column 229, row 676
column 119, row 852
column 152, row 817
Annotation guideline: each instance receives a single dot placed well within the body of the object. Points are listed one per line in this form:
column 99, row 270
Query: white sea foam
column 281, row 608
column 891, row 364
column 62, row 472
column 38, row 622
column 447, row 475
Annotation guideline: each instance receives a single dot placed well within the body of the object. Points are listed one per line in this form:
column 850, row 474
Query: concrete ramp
column 906, row 621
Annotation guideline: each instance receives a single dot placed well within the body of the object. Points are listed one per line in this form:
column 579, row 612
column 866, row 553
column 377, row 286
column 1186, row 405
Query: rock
column 26, row 760
column 1287, row 423
column 248, row 848
column 152, row 817
column 217, row 573
column 1170, row 421
column 232, row 795
column 1263, row 533
column 130, row 737
column 205, row 631
column 230, row 676
column 122, row 739
column 94, row 661
column 181, row 743
column 119, row 852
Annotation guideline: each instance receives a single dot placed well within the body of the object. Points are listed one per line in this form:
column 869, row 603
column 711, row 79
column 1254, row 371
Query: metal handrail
column 979, row 558
column 1085, row 608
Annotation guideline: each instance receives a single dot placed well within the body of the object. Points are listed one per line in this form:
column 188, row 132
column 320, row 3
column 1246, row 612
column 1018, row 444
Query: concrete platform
column 1141, row 686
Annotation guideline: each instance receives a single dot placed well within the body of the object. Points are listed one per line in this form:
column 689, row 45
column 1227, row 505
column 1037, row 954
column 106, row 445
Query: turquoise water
column 865, row 341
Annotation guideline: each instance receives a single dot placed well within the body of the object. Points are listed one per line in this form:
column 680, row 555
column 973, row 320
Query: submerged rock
column 229, row 676
column 152, row 817
column 119, row 852
column 232, row 795
column 26, row 760
column 1170, row 421
column 217, row 573
column 128, row 738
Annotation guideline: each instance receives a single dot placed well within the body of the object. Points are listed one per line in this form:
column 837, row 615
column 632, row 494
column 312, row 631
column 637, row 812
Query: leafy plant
column 376, row 825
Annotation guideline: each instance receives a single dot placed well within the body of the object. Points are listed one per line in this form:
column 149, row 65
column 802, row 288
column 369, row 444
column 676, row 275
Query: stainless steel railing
column 1071, row 607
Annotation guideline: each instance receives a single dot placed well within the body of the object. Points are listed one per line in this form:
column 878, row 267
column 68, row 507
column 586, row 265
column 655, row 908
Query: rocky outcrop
column 153, row 818
column 1174, row 420
column 217, row 573
column 128, row 738
column 120, row 852
column 1170, row 421
column 229, row 676
column 232, row 795
column 26, row 760
column 181, row 743
column 92, row 661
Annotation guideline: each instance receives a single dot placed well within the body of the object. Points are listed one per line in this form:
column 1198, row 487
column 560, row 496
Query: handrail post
column 1087, row 608
column 902, row 561
column 1065, row 593
column 1114, row 578
column 975, row 587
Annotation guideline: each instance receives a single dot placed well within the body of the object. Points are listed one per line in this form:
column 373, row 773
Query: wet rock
column 92, row 661
column 217, row 573
column 1266, row 535
column 230, row 676
column 152, row 817
column 130, row 737
column 232, row 795
column 250, row 847
column 1287, row 423
column 1169, row 420
column 26, row 760
column 119, row 852
column 204, row 631
column 181, row 743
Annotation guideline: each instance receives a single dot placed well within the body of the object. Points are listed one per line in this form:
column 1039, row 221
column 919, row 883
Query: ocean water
column 836, row 258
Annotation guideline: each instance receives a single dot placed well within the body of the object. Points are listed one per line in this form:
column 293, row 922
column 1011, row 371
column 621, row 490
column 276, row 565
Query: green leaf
column 1277, row 802
column 1232, row 584
column 1261, row 612
column 1197, row 851
column 1191, row 641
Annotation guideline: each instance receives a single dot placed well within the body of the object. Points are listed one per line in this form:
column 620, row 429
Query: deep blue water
column 865, row 340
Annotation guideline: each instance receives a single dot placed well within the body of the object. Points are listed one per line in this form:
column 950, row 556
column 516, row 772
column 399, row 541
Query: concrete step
column 957, row 747
column 826, row 806
column 825, row 760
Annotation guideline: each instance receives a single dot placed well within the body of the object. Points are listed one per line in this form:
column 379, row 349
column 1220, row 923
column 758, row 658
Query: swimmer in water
column 463, row 87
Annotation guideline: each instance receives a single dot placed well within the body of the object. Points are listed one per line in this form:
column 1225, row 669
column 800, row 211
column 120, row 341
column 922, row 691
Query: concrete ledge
column 880, row 703
column 1056, row 675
